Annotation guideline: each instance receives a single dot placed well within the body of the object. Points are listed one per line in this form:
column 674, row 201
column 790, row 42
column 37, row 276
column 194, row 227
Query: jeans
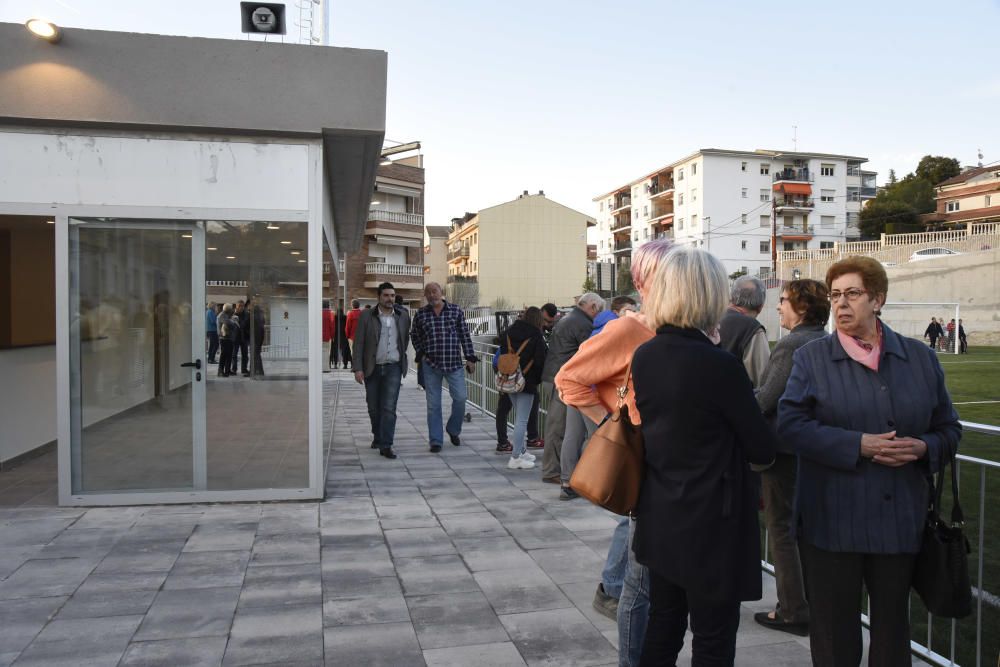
column 579, row 428
column 503, row 411
column 522, row 412
column 555, row 428
column 433, row 380
column 633, row 608
column 213, row 345
column 613, row 575
column 714, row 627
column 381, row 393
column 778, row 486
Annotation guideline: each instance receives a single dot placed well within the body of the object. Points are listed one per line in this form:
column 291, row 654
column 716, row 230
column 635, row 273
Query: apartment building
column 436, row 254
column 392, row 247
column 972, row 196
column 742, row 206
column 525, row 252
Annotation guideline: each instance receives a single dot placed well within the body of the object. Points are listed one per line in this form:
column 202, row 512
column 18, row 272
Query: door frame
column 314, row 217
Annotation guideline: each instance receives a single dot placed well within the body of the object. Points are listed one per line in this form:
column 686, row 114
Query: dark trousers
column 834, row 583
column 213, row 345
column 258, row 362
column 963, row 345
column 713, row 626
column 504, row 407
column 934, row 342
column 240, row 354
column 226, row 358
column 381, row 394
column 778, row 488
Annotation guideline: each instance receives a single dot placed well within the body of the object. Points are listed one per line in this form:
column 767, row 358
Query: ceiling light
column 211, row 248
column 272, row 226
column 375, row 203
column 46, row 30
column 50, row 222
column 230, row 256
column 296, row 252
column 185, row 236
column 286, row 243
column 302, row 261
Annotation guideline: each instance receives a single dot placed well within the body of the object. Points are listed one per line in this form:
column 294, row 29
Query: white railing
column 379, row 215
column 285, row 341
column 385, row 269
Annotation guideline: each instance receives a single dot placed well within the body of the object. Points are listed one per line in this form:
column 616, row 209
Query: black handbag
column 941, row 573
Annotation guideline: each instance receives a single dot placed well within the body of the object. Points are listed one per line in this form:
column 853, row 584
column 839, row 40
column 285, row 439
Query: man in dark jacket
column 933, row 332
column 567, row 336
column 742, row 335
column 243, row 342
column 257, row 335
column 379, row 362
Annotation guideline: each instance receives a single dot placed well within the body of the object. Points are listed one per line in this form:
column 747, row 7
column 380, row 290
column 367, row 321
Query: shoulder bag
column 609, row 472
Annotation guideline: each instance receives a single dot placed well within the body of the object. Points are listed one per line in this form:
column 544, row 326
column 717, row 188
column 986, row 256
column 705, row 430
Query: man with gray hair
column 741, row 333
column 567, row 336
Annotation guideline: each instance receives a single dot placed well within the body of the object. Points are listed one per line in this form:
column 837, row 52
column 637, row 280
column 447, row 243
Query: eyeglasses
column 852, row 294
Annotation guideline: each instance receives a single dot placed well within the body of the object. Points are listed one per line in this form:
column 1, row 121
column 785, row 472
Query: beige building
column 524, row 252
column 971, row 197
column 436, row 254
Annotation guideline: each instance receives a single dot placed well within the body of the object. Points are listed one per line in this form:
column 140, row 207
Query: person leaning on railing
column 867, row 412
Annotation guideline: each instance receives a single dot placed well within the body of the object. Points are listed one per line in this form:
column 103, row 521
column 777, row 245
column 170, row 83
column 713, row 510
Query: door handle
column 193, row 364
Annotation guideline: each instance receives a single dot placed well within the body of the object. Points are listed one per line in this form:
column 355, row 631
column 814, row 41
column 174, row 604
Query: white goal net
column 913, row 320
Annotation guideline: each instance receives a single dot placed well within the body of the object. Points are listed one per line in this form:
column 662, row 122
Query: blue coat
column 844, row 502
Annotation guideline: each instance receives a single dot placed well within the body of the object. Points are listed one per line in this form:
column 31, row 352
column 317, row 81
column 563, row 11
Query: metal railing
column 461, row 252
column 398, row 217
column 788, row 202
column 386, row 269
column 801, row 175
column 660, row 188
column 285, row 341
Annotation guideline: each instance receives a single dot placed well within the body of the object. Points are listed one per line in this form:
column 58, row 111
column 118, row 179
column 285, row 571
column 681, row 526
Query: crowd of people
column 232, row 330
column 834, row 434
column 942, row 337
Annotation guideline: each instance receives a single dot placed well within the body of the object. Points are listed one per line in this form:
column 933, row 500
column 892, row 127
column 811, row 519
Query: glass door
column 137, row 356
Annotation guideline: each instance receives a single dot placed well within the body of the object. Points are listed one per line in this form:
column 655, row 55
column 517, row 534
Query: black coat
column 697, row 514
column 533, row 352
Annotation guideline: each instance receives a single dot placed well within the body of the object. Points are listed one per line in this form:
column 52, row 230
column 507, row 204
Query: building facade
column 436, row 254
column 740, row 205
column 392, row 247
column 524, row 252
column 971, row 197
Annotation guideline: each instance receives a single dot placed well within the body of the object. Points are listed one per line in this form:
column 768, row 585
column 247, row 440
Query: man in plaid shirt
column 441, row 340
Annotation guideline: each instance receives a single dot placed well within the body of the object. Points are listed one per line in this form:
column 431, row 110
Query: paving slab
column 454, row 619
column 380, row 645
column 430, row 575
column 502, row 654
column 201, row 652
column 281, row 585
column 558, row 637
column 81, row 642
column 197, row 612
column 365, row 610
column 521, row 589
column 22, row 620
column 280, row 635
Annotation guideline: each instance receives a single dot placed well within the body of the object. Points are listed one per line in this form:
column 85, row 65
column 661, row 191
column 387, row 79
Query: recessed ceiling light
column 296, row 252
column 302, row 261
column 185, row 236
column 50, row 222
column 230, row 256
column 286, row 243
column 272, row 226
column 211, row 248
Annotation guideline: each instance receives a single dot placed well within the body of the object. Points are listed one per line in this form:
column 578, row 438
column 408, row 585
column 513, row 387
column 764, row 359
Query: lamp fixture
column 375, row 203
column 286, row 243
column 385, row 162
column 50, row 222
column 302, row 261
column 230, row 256
column 296, row 252
column 271, row 225
column 185, row 236
column 43, row 29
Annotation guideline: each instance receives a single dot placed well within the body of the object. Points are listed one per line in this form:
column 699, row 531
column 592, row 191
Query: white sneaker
column 528, row 457
column 518, row 463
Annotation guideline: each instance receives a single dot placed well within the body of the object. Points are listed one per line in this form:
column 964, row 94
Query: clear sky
column 579, row 97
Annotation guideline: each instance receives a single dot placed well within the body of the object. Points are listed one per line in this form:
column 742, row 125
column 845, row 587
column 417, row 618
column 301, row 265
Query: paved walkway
column 446, row 559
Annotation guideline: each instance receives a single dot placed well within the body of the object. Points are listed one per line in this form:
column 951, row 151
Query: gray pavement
column 446, row 559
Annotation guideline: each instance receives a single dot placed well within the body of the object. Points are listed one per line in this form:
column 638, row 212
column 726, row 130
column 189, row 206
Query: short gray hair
column 590, row 297
column 748, row 292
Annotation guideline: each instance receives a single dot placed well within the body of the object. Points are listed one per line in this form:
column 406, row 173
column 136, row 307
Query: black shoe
column 435, row 449
column 776, row 623
column 387, row 452
column 566, row 493
column 505, row 447
column 246, row 374
column 455, row 440
column 212, row 361
column 606, row 605
column 374, row 445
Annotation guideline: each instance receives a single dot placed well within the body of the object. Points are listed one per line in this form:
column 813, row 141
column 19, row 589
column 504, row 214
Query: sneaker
column 536, row 443
column 528, row 457
column 566, row 493
column 605, row 604
column 505, row 447
column 518, row 463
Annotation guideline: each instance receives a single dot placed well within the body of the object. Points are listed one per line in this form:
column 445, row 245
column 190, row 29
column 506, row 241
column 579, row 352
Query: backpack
column 510, row 377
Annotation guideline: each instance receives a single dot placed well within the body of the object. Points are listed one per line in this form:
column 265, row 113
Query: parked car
column 932, row 253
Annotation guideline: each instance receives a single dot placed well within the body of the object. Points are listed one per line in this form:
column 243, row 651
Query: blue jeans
column 633, row 609
column 613, row 576
column 433, row 380
column 522, row 411
column 381, row 394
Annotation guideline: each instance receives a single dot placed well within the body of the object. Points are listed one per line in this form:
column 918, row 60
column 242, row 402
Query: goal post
column 912, row 319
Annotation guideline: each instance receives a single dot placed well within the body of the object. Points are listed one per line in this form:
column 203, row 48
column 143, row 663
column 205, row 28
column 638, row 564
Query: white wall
column 28, row 405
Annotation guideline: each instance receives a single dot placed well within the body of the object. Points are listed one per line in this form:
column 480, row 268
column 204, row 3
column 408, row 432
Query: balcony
column 458, row 254
column 802, row 175
column 623, row 245
column 620, row 203
column 621, row 223
column 386, row 269
column 462, row 279
column 666, row 234
column 794, row 203
column 378, row 215
column 656, row 189
column 793, row 233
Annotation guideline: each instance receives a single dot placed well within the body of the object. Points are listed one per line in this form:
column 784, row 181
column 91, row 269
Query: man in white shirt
column 379, row 363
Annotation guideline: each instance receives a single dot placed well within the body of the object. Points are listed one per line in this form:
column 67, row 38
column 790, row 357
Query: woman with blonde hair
column 589, row 381
column 696, row 522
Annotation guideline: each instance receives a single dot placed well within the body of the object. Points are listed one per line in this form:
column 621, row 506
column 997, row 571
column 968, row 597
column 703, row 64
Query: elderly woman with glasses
column 869, row 416
column 696, row 522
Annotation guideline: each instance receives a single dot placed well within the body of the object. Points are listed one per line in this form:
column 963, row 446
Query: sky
column 577, row 98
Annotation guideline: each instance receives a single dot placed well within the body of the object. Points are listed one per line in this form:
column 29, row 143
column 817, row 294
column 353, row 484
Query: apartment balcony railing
column 457, row 254
column 386, row 269
column 462, row 279
column 799, row 175
column 667, row 234
column 623, row 245
column 785, row 231
column 621, row 222
column 792, row 202
column 660, row 188
column 622, row 202
column 378, row 215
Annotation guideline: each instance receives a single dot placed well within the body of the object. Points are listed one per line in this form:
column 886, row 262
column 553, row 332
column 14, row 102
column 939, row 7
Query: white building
column 740, row 205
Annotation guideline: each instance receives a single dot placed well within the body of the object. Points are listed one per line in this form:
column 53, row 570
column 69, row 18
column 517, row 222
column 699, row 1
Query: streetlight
column 43, row 29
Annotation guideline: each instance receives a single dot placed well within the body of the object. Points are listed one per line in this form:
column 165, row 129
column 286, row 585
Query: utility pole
column 774, row 234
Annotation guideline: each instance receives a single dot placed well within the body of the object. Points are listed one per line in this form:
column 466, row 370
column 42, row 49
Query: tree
column 501, row 303
column 625, row 285
column 892, row 177
column 937, row 168
column 914, row 191
column 883, row 210
column 736, row 274
column 589, row 285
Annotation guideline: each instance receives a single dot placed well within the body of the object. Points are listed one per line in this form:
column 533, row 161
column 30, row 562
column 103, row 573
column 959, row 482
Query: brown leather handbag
column 609, row 473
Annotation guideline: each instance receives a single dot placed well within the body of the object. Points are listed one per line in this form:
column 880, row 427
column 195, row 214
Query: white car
column 932, row 253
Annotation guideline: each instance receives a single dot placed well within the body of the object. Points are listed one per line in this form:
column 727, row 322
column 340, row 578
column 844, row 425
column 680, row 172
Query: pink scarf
column 864, row 353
